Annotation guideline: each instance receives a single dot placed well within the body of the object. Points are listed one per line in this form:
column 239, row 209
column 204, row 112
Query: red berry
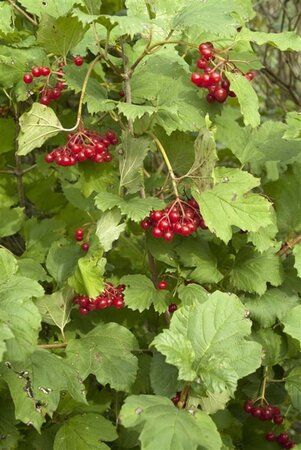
column 27, row 78
column 276, row 411
column 163, row 225
column 278, row 419
column 118, row 303
column 197, row 79
column 220, row 95
column 215, row 77
column 145, row 224
column 79, row 234
column 172, row 308
column 162, row 285
column 207, row 53
column 225, row 84
column 248, row 405
column 204, row 45
column 282, row 438
column 249, row 75
column 85, row 246
column 107, row 157
column 157, row 233
column 256, row 411
column 289, row 444
column 45, row 71
column 202, row 63
column 36, row 71
column 45, row 100
column 210, row 98
column 60, row 85
column 78, row 60
column 49, row 158
column 168, row 236
column 156, row 215
column 56, row 93
column 83, row 311
column 266, row 414
column 102, row 303
column 270, row 436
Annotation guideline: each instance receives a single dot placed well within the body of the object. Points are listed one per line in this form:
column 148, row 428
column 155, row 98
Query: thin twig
column 53, row 346
column 289, row 245
column 127, row 86
column 23, row 13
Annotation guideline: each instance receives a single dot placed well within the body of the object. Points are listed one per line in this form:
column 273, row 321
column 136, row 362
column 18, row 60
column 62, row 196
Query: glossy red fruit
column 215, row 77
column 266, row 414
column 278, row 419
column 168, row 236
column 60, row 85
column 78, row 60
column 289, row 444
column 156, row 215
column 270, row 436
column 197, row 79
column 45, row 100
column 283, row 438
column 107, row 157
column 256, row 411
column 85, row 246
column 49, row 158
column 162, row 285
column 56, row 93
column 202, row 63
column 79, row 234
column 276, row 411
column 207, row 53
column 172, row 308
column 249, row 75
column 83, row 311
column 220, row 95
column 157, row 233
column 205, row 45
column 248, row 405
column 27, row 78
column 210, row 98
column 225, row 84
column 163, row 225
column 36, row 71
column 118, row 303
column 102, row 303
column 45, row 71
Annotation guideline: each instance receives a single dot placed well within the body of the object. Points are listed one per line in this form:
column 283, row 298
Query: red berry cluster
column 212, row 76
column 283, row 439
column 50, row 91
column 110, row 297
column 79, row 236
column 270, row 413
column 83, row 145
column 180, row 217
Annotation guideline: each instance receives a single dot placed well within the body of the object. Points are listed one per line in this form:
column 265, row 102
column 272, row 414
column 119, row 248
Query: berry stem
column 53, row 346
column 127, row 86
column 84, row 87
column 167, row 162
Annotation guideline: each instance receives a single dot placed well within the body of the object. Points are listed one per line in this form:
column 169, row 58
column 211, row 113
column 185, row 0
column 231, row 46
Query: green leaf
column 85, row 431
column 8, row 265
column 60, row 35
column 285, row 194
column 141, row 293
column 8, row 132
column 246, row 97
column 175, row 428
column 36, row 126
column 293, row 121
column 133, row 112
column 196, row 254
column 30, row 268
column 134, row 150
column 285, row 41
column 88, row 276
column 291, row 322
column 274, row 346
column 54, row 8
column 36, row 391
column 209, row 16
column 272, row 305
column 106, row 352
column 109, row 228
column 163, row 376
column 297, row 255
column 230, row 203
column 192, row 293
column 205, row 342
column 293, row 387
column 253, row 270
column 10, row 221
column 55, row 308
column 134, row 208
column 6, row 18
column 62, row 260
column 265, row 237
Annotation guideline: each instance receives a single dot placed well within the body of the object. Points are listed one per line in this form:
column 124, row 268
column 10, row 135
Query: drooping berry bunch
column 212, row 76
column 110, row 297
column 53, row 85
column 283, row 439
column 79, row 236
column 84, row 145
column 176, row 398
column 270, row 413
column 181, row 217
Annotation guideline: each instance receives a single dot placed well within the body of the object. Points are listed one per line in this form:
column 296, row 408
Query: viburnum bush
column 150, row 227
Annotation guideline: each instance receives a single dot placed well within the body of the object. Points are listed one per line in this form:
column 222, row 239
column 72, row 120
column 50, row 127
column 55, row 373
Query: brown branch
column 23, row 13
column 289, row 245
column 53, row 346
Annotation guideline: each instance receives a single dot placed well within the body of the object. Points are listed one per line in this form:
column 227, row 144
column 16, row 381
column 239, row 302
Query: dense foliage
column 150, row 226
